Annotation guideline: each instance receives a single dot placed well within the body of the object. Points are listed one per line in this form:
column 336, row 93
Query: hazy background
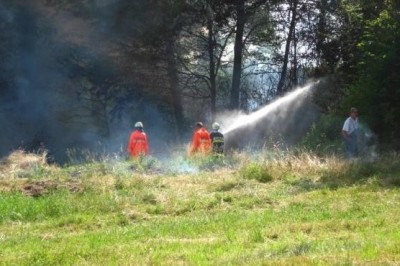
column 79, row 74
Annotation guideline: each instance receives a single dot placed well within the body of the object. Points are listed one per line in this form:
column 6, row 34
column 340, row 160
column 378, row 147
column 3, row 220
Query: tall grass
column 284, row 207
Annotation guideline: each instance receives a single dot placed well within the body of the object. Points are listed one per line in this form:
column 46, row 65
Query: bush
column 255, row 171
column 324, row 136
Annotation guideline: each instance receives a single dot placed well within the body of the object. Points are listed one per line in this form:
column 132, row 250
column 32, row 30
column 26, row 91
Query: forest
column 79, row 74
column 280, row 187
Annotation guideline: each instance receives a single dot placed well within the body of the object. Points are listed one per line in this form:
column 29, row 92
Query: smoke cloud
column 46, row 97
column 61, row 86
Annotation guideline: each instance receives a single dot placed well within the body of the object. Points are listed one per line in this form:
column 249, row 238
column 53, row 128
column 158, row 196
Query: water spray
column 245, row 120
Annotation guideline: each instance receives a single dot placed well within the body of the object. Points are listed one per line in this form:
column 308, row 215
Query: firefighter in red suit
column 201, row 142
column 138, row 144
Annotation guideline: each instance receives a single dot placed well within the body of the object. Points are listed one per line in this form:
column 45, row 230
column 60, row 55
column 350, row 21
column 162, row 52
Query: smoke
column 366, row 144
column 49, row 55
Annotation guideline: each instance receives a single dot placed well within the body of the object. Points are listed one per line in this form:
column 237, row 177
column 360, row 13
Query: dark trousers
column 350, row 145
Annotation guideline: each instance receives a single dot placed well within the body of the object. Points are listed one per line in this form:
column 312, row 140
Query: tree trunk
column 213, row 89
column 237, row 61
column 175, row 97
column 293, row 9
column 294, row 68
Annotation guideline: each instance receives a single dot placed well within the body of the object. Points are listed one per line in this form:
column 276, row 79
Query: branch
column 222, row 51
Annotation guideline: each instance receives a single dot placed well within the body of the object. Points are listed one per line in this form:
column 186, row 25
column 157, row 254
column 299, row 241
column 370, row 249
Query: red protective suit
column 201, row 142
column 138, row 144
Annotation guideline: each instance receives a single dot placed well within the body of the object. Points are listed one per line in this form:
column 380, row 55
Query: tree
column 203, row 45
column 243, row 11
column 150, row 58
column 375, row 88
column 238, row 53
column 290, row 37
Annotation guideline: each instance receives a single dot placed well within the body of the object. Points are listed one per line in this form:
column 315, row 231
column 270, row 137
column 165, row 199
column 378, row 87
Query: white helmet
column 215, row 126
column 139, row 124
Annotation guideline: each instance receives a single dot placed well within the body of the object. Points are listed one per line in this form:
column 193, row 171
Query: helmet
column 215, row 126
column 199, row 124
column 139, row 124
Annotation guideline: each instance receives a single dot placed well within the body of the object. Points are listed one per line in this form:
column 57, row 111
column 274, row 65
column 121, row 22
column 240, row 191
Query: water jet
column 288, row 117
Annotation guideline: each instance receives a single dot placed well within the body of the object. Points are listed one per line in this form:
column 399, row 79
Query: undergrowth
column 284, row 207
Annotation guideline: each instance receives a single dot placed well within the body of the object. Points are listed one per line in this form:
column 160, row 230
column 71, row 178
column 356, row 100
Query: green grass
column 309, row 211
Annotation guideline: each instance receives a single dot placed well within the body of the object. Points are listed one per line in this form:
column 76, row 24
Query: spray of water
column 244, row 120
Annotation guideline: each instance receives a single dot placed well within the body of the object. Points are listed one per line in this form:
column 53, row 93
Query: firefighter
column 217, row 140
column 138, row 144
column 201, row 142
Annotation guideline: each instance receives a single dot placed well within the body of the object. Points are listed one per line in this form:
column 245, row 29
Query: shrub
column 255, row 171
column 324, row 136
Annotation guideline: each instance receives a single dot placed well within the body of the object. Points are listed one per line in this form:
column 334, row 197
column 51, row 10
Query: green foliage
column 376, row 91
column 324, row 136
column 257, row 171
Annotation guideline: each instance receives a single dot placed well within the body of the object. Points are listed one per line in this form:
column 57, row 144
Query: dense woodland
column 77, row 73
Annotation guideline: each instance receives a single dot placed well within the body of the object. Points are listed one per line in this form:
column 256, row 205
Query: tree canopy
column 75, row 73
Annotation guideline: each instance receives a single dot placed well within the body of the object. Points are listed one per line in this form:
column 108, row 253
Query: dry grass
column 19, row 163
column 30, row 174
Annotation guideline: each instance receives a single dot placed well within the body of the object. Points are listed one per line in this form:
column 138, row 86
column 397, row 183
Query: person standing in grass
column 349, row 134
column 201, row 142
column 138, row 144
column 217, row 140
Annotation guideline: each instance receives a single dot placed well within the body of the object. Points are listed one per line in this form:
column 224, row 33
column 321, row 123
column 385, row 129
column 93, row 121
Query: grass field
column 265, row 209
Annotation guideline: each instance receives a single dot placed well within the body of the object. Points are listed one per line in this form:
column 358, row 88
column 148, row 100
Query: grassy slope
column 311, row 212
